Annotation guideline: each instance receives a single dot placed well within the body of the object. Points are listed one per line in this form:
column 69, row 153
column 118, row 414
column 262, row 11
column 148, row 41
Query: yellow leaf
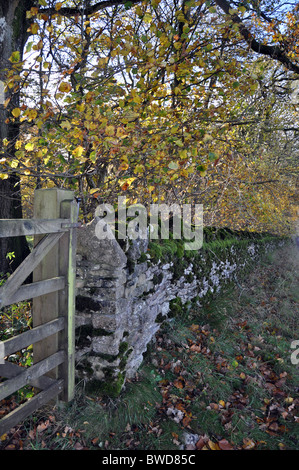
column 14, row 164
column 120, row 133
column 32, row 114
column 213, row 445
column 33, row 29
column 124, row 158
column 110, row 130
column 94, row 190
column 183, row 154
column 127, row 183
column 289, row 400
column 130, row 116
column 65, row 87
column 15, row 57
column 3, row 176
column 123, row 166
column 66, row 125
column 58, row 6
column 78, row 151
column 80, row 107
column 16, row 112
column 139, row 169
column 147, row 18
column 29, row 146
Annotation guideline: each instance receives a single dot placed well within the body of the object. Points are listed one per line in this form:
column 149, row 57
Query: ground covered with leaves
column 221, row 377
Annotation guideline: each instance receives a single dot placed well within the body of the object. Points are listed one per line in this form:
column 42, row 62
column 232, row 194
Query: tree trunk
column 13, row 35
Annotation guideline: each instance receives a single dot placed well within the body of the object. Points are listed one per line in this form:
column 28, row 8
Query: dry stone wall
column 125, row 292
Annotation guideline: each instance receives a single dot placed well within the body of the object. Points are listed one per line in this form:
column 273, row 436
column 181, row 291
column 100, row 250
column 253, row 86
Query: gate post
column 57, row 203
column 67, row 297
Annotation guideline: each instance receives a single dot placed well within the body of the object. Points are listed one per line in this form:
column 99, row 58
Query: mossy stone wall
column 125, row 292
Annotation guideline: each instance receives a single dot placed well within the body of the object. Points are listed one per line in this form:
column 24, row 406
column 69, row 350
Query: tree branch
column 275, row 52
column 90, row 10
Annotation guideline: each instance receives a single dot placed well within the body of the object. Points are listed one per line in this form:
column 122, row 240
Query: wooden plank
column 45, row 308
column 32, row 336
column 27, row 266
column 26, row 409
column 25, row 377
column 10, row 370
column 19, row 227
column 29, row 291
column 67, row 244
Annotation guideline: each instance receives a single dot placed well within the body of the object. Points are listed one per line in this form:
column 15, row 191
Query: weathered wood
column 29, row 291
column 28, row 265
column 26, row 409
column 10, row 370
column 19, row 227
column 45, row 308
column 53, row 262
column 67, row 267
column 12, row 385
column 29, row 337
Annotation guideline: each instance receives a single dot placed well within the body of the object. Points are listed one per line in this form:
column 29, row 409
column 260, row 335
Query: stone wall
column 125, row 292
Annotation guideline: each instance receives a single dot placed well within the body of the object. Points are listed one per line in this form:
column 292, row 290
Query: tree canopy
column 161, row 101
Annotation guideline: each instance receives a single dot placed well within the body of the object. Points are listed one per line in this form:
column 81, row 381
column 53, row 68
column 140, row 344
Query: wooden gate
column 53, row 264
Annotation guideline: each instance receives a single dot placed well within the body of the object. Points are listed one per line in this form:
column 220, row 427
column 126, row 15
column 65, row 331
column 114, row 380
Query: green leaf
column 15, row 57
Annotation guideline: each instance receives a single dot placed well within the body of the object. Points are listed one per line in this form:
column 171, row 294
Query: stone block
column 105, row 345
column 105, row 322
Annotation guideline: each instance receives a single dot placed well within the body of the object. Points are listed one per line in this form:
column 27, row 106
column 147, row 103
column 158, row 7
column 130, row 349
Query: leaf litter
column 230, row 388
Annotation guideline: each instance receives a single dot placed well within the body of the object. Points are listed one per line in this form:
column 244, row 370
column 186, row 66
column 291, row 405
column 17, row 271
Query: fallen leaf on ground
column 225, row 445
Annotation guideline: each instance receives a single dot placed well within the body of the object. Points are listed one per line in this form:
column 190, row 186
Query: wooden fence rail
column 52, row 261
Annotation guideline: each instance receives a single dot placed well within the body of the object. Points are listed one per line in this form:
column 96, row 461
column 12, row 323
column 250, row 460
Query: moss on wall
column 111, row 386
column 178, row 279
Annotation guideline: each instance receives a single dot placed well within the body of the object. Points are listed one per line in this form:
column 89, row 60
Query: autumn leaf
column 195, row 347
column 186, row 421
column 78, row 151
column 31, row 114
column 66, row 125
column 201, row 443
column 15, row 57
column 43, row 426
column 225, row 445
column 30, row 146
column 65, row 87
column 173, row 166
column 179, row 383
column 16, row 112
column 248, row 444
column 213, row 445
column 33, row 29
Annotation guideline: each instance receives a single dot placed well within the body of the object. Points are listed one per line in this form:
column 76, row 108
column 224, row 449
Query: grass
column 223, row 373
